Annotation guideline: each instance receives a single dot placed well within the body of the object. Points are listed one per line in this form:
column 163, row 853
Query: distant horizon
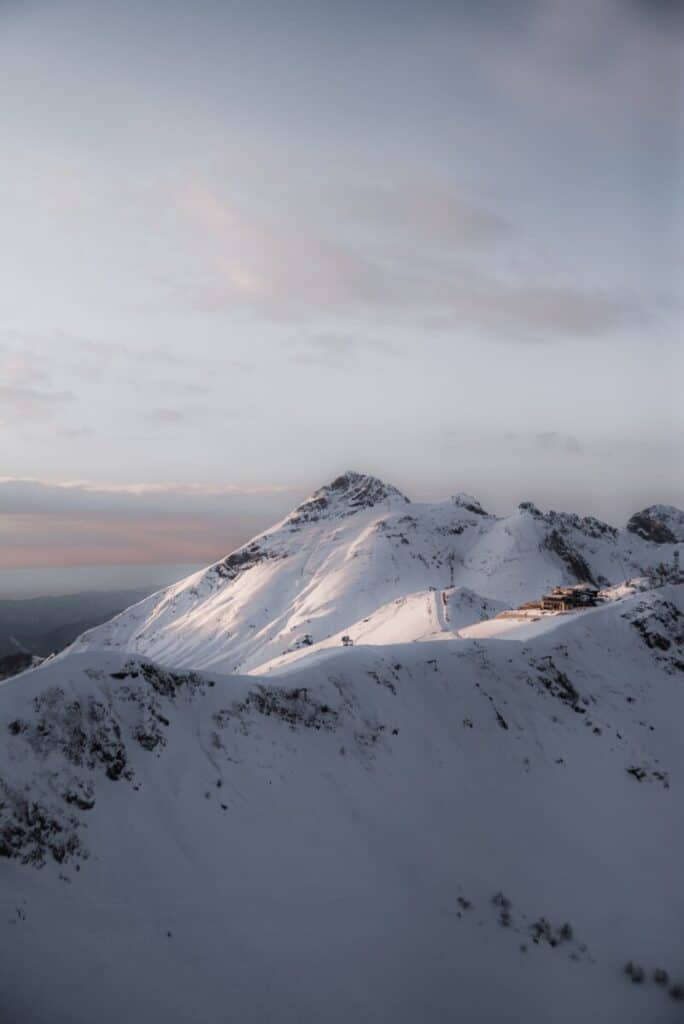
column 205, row 525
column 51, row 581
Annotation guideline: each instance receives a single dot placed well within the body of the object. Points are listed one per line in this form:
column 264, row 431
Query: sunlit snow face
column 437, row 243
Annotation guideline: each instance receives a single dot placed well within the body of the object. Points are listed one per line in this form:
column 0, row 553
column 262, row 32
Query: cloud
column 21, row 369
column 271, row 259
column 177, row 387
column 40, row 372
column 415, row 267
column 340, row 351
column 165, row 415
column 74, row 433
column 428, row 213
column 538, row 311
column 555, row 441
column 44, row 523
column 547, row 440
column 25, row 387
column 28, row 403
column 590, row 60
column 519, row 312
column 29, row 354
column 104, row 353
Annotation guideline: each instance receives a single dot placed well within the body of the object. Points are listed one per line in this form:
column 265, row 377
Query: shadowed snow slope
column 461, row 830
column 355, row 547
column 248, row 798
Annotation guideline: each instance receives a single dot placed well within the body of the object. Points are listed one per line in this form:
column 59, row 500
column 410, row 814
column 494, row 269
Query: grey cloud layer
column 26, row 391
column 399, row 253
column 49, row 524
column 36, row 497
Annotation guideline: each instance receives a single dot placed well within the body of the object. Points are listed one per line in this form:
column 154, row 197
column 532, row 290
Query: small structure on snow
column 559, row 599
column 564, row 599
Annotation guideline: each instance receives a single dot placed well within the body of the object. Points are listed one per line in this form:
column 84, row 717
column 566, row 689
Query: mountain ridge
column 334, row 776
column 353, row 546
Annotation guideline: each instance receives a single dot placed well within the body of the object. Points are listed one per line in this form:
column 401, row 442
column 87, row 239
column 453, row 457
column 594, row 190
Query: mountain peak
column 531, row 508
column 345, row 495
column 468, row 502
column 662, row 524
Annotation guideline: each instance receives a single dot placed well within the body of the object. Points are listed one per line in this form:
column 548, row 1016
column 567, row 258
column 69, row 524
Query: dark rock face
column 475, row 509
column 13, row 664
column 651, row 524
column 660, row 627
column 83, row 738
column 296, row 707
column 470, row 504
column 564, row 522
column 30, row 832
column 84, row 732
column 92, row 741
column 573, row 559
column 362, row 491
column 242, row 560
column 557, row 684
column 346, row 495
column 590, row 526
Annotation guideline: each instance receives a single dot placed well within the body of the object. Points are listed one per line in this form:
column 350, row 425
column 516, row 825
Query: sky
column 250, row 245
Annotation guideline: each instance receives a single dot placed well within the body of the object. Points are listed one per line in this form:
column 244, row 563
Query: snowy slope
column 349, row 554
column 427, row 615
column 461, row 830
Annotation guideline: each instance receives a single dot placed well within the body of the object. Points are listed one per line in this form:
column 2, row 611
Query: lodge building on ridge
column 565, row 599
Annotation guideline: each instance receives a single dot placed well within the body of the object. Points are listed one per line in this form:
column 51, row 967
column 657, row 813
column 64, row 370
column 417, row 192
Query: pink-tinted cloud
column 47, row 524
column 407, row 251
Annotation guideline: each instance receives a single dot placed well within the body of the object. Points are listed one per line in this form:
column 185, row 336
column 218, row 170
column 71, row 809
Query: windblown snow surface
column 214, row 809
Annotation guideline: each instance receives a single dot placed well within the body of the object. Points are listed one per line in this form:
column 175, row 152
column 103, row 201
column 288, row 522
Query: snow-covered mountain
column 662, row 524
column 446, row 815
column 340, row 562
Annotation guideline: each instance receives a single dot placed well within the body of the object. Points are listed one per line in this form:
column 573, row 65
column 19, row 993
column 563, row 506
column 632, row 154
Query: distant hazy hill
column 44, row 625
